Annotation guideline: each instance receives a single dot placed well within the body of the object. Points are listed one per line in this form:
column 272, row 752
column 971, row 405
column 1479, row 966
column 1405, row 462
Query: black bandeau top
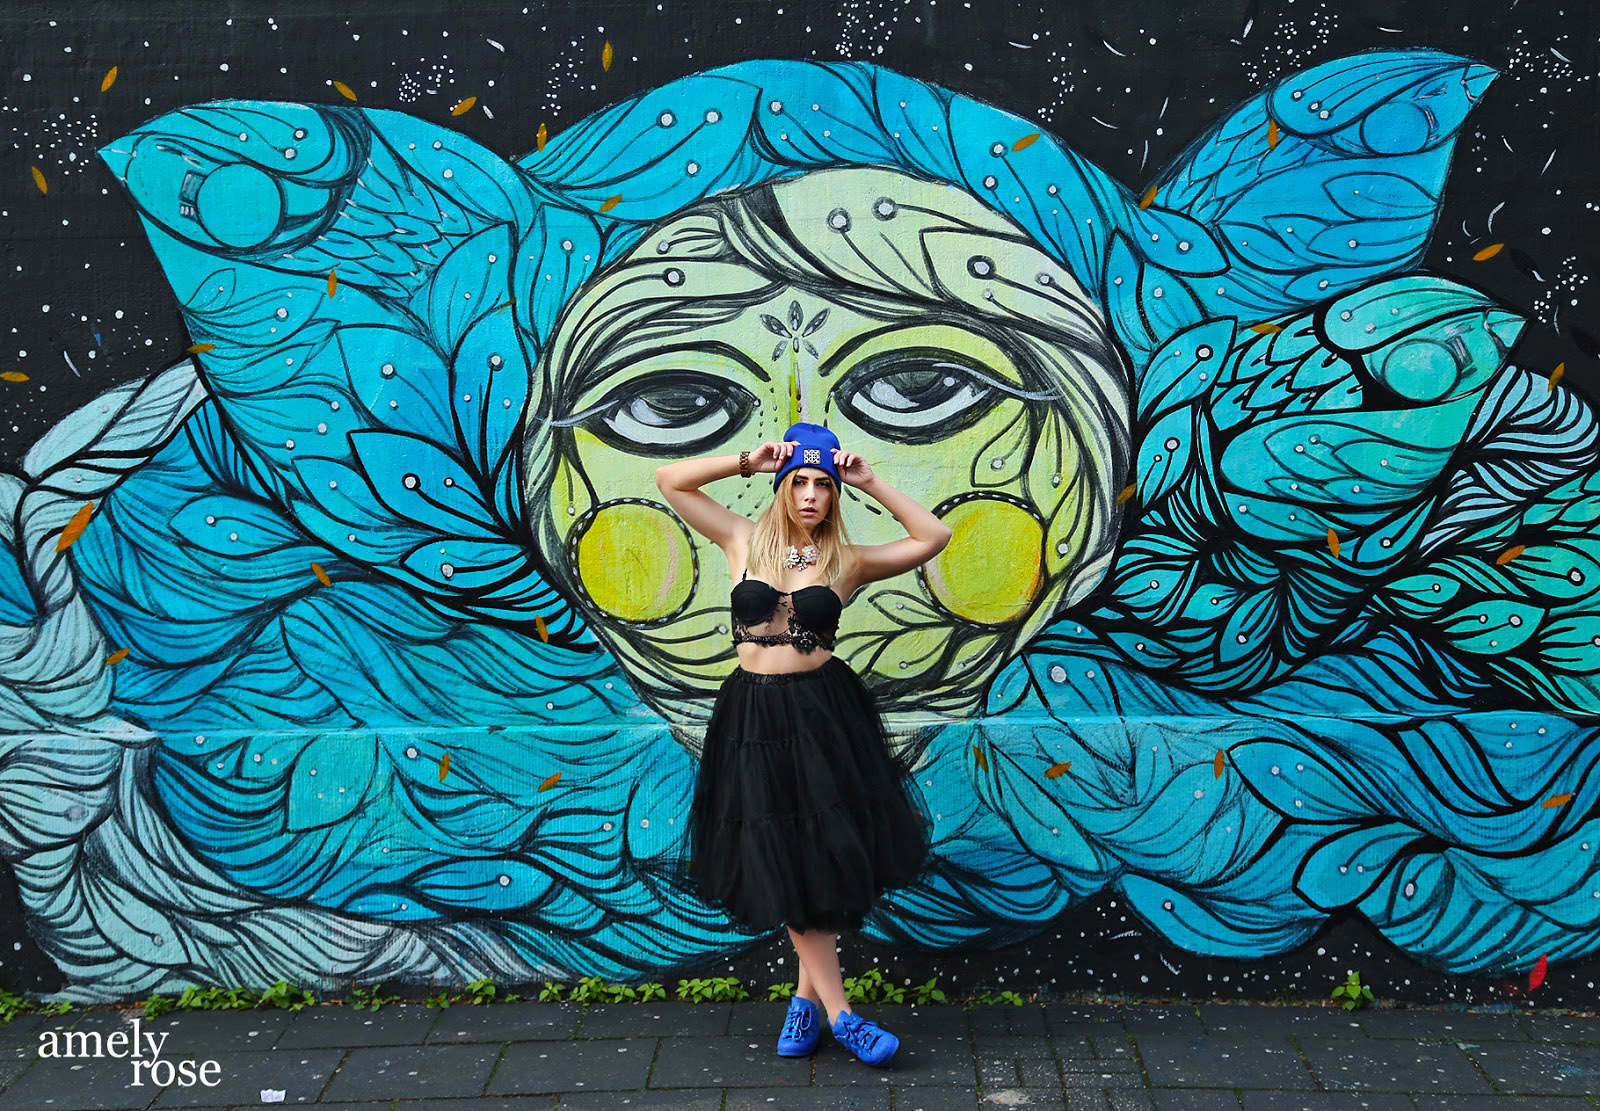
column 805, row 618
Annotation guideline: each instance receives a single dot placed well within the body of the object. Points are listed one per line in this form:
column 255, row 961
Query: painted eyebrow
column 597, row 375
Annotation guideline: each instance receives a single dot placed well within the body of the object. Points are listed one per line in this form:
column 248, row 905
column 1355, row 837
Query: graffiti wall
column 1247, row 353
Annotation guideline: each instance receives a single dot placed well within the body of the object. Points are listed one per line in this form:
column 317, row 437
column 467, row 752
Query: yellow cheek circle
column 634, row 562
column 991, row 571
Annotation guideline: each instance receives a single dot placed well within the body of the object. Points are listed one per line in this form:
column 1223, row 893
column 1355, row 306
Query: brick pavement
column 719, row 1057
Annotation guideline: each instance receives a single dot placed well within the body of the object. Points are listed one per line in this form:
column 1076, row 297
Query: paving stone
column 1003, row 1072
column 1078, row 1072
column 726, row 1062
column 438, row 1071
column 482, row 1103
column 681, row 1100
column 1379, row 1065
column 1112, row 1047
column 204, row 1033
column 18, row 1034
column 300, row 1073
column 608, row 1064
column 1014, row 1046
column 1026, row 1021
column 1162, row 1020
column 1083, row 1014
column 79, row 1086
column 1022, row 1097
column 1325, row 1101
column 808, row 1099
column 1322, row 1022
column 11, row 1068
column 924, row 1061
column 1223, row 1061
column 658, row 1019
column 1196, row 1099
column 1502, row 1103
column 1526, row 1069
column 1563, row 1028
column 397, row 1024
column 1124, row 1101
column 1449, row 1026
column 929, row 1097
column 506, row 1022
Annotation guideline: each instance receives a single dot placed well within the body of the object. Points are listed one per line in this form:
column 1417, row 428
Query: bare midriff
column 771, row 659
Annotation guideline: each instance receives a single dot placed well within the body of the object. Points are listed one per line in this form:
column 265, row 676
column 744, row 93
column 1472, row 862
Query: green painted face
column 929, row 334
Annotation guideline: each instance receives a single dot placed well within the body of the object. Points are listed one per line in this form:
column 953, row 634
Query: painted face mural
column 360, row 643
column 927, row 332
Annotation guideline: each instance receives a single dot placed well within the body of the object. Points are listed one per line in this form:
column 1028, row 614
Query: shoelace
column 797, row 1023
column 861, row 1034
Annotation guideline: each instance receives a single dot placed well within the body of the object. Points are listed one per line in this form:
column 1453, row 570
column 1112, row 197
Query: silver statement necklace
column 797, row 558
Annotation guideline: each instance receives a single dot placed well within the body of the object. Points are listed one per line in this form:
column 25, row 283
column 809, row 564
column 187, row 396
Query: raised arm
column 680, row 484
column 926, row 535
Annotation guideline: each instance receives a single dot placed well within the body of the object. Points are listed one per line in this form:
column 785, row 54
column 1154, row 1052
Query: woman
column 802, row 815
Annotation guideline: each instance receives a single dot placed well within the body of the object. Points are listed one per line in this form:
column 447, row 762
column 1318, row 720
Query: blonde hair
column 779, row 528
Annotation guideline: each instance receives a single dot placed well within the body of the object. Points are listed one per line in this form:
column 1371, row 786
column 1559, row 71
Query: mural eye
column 670, row 413
column 917, row 396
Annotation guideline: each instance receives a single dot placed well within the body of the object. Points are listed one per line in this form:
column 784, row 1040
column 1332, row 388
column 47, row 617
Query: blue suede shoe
column 802, row 1029
column 871, row 1043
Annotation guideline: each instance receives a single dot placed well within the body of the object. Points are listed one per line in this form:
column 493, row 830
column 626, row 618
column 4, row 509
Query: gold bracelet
column 744, row 464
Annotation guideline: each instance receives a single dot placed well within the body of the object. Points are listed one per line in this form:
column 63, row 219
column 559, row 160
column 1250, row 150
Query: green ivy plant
column 1353, row 995
column 288, row 998
column 196, row 998
column 716, row 989
column 370, row 999
column 12, row 1005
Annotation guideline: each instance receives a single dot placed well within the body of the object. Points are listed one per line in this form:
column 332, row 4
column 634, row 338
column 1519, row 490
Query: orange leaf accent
column 1267, row 329
column 550, row 782
column 1488, row 252
column 542, row 629
column 1333, row 543
column 540, row 138
column 1272, row 134
column 444, row 766
column 201, row 348
column 1057, row 769
column 1556, row 800
column 1148, row 199
column 1555, row 376
column 1127, row 494
column 14, row 376
column 611, row 202
column 344, row 90
column 464, row 107
column 109, row 80
column 75, row 527
column 1219, row 763
column 983, row 761
column 1025, row 142
column 1508, row 555
column 38, row 179
column 605, row 57
column 116, row 657
column 333, row 282
column 322, row 576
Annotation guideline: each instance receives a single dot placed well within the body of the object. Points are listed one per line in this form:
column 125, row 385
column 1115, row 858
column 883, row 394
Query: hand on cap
column 771, row 455
column 853, row 470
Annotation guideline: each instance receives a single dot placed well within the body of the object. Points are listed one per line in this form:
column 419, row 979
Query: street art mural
column 357, row 643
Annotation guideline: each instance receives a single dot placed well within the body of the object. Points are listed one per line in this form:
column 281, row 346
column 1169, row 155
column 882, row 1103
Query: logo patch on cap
column 813, row 455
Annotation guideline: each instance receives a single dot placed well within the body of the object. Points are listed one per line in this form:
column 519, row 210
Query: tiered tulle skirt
column 802, row 814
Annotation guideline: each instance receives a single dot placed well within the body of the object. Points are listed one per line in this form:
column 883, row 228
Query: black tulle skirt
column 802, row 813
